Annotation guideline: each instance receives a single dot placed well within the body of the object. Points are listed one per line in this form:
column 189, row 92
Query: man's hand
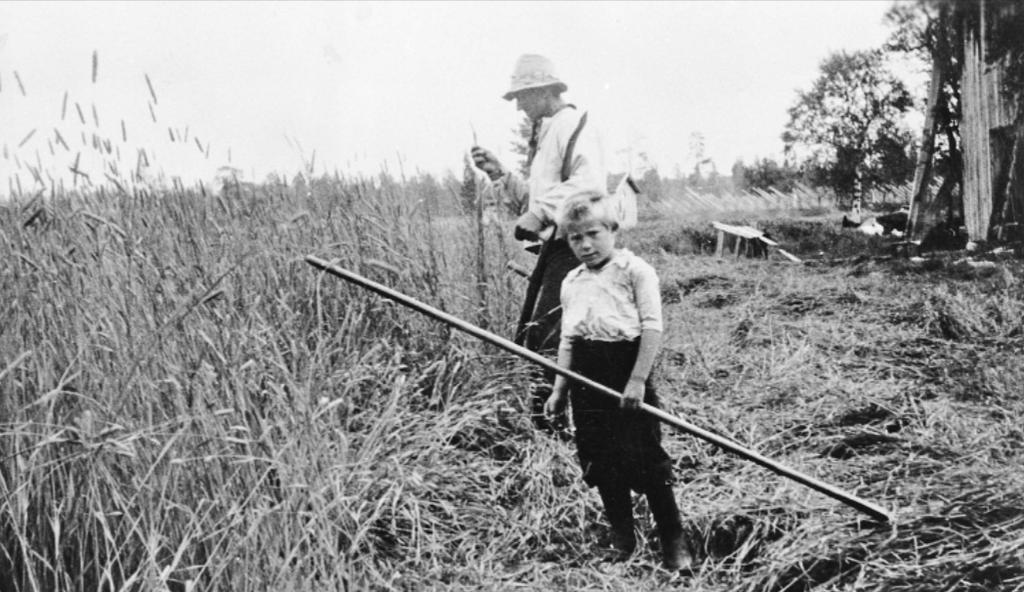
column 633, row 395
column 528, row 227
column 487, row 162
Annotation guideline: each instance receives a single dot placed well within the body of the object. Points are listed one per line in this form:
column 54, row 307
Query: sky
column 402, row 86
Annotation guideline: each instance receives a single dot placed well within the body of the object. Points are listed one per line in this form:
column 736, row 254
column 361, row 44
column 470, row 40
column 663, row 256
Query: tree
column 521, row 145
column 931, row 29
column 767, row 174
column 425, row 187
column 469, row 193
column 924, row 31
column 739, row 176
column 697, row 146
column 845, row 131
column 650, row 184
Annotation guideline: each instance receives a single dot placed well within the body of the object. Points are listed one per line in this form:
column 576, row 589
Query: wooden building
column 990, row 201
column 991, row 130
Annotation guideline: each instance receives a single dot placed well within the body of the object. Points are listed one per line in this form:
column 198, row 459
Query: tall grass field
column 185, row 404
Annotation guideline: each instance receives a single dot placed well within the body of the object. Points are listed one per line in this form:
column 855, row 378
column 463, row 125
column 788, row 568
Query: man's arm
column 514, row 190
column 507, row 187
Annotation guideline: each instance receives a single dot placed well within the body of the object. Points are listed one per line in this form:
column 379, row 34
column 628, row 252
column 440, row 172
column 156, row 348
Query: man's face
column 533, row 102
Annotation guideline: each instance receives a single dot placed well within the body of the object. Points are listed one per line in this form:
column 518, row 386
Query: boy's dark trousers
column 544, row 331
column 618, row 507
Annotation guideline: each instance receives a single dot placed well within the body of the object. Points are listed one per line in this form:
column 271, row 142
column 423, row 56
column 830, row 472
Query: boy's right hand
column 487, row 162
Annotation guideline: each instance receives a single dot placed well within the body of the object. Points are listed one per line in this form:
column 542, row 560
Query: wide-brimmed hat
column 533, row 71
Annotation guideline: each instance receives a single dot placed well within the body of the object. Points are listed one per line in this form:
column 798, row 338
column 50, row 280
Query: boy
column 611, row 333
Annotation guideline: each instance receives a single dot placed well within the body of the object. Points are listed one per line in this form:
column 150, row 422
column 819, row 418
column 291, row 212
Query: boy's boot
column 618, row 507
column 674, row 548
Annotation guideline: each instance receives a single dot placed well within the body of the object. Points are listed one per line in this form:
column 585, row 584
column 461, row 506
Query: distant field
column 188, row 406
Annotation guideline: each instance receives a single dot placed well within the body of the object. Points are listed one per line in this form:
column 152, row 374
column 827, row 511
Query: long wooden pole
column 869, row 508
column 923, row 169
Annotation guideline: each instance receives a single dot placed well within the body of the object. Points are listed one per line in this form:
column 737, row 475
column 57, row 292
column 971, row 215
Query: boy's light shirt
column 615, row 303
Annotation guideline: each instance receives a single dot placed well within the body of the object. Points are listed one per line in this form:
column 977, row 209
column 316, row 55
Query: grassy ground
column 186, row 405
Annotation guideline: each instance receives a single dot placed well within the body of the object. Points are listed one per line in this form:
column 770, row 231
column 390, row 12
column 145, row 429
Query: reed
column 21, row 86
column 27, row 137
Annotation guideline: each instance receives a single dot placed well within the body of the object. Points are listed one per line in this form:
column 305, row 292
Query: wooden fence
column 757, row 200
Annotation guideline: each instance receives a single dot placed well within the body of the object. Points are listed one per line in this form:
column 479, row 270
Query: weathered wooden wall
column 974, row 130
column 1002, row 112
column 986, row 111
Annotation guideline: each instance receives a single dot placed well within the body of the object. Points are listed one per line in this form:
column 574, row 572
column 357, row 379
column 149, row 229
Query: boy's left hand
column 633, row 395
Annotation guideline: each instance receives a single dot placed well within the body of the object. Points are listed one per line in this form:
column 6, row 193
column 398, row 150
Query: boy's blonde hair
column 591, row 205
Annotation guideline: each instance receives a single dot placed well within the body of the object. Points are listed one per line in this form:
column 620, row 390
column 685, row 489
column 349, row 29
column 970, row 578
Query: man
column 565, row 159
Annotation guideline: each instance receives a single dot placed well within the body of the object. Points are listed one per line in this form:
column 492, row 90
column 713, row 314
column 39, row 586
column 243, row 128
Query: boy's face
column 591, row 241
